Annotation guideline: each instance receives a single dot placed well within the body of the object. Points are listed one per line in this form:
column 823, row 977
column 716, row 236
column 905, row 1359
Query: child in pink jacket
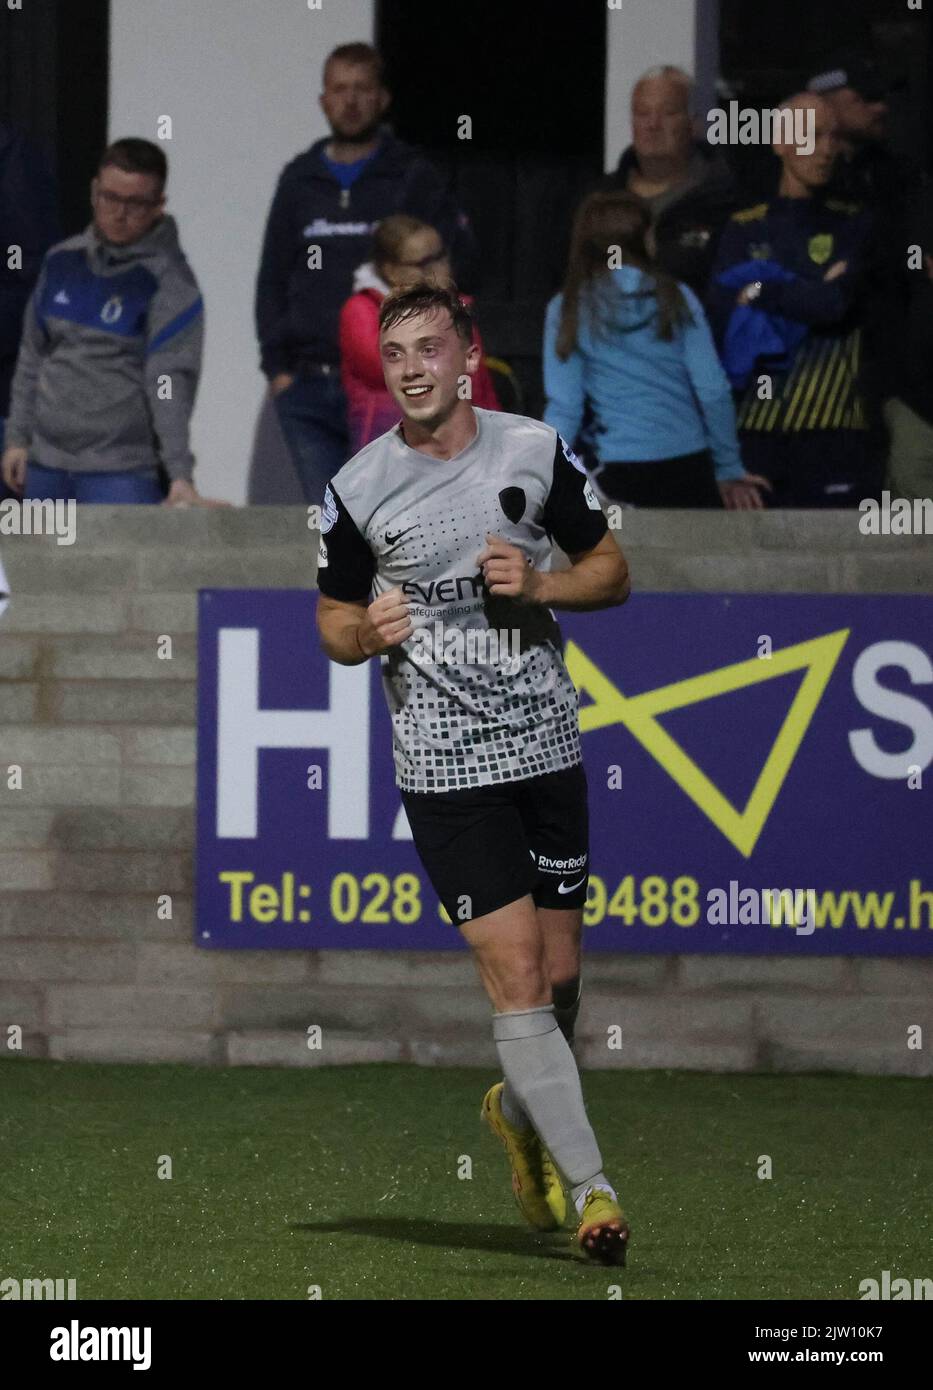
column 405, row 250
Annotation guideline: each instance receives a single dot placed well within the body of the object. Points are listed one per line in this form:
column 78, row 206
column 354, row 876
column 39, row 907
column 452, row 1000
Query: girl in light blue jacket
column 635, row 344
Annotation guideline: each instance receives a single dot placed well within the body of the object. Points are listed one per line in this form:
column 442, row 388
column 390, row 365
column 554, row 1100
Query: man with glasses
column 327, row 203
column 110, row 356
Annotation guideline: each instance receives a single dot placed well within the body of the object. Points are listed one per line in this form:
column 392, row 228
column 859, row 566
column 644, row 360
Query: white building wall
column 240, row 80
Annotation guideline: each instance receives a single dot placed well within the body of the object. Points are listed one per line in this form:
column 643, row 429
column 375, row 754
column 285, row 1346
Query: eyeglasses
column 426, row 261
column 135, row 207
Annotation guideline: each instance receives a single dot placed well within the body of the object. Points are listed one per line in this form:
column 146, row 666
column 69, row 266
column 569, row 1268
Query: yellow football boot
column 603, row 1232
column 535, row 1181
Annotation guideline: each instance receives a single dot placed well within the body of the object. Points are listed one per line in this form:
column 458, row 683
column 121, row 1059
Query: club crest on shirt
column 513, row 501
column 821, row 248
column 570, row 456
column 329, row 513
column 112, row 310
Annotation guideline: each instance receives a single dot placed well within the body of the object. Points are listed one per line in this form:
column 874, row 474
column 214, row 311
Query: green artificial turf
column 347, row 1178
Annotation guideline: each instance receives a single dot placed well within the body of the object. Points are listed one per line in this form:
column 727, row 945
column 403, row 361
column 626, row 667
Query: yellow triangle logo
column 639, row 713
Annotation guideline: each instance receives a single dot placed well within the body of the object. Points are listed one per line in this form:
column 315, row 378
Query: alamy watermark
column 896, row 1290
column 38, row 1289
column 747, row 125
column 743, row 907
column 77, row 1343
column 899, row 516
column 441, row 645
column 40, row 516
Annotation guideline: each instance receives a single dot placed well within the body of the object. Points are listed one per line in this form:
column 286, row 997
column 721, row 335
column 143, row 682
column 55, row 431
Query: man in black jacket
column 689, row 188
column 897, row 375
column 802, row 418
column 867, row 170
column 327, row 202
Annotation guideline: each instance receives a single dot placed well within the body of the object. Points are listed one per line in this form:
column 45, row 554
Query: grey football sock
column 539, row 1067
column 512, row 1109
column 566, row 999
column 580, row 1189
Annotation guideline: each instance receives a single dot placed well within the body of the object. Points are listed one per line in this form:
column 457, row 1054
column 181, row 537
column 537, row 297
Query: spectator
column 628, row 337
column 897, row 339
column 908, row 411
column 326, row 204
column 405, row 250
column 802, row 421
column 686, row 186
column 28, row 220
column 108, row 366
column 866, row 170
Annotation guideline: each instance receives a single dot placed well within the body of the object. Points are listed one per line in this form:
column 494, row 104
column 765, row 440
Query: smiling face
column 424, row 359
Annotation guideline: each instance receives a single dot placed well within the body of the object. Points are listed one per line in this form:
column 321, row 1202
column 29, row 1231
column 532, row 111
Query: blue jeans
column 313, row 415
column 138, row 485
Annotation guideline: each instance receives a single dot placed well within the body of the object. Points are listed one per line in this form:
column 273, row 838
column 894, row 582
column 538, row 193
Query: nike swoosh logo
column 569, row 887
column 394, row 540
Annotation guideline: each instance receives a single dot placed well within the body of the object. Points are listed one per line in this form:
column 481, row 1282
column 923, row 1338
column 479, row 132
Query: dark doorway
column 762, row 63
column 54, row 89
column 531, row 78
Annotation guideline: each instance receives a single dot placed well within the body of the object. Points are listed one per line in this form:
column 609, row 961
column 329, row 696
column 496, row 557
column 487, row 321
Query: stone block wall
column 104, row 732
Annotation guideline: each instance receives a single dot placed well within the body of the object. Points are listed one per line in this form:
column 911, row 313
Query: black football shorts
column 484, row 847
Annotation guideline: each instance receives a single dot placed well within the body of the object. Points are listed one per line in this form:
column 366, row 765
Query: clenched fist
column 507, row 570
column 386, row 624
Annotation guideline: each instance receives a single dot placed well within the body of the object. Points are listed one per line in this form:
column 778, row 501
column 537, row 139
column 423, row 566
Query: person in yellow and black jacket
column 796, row 266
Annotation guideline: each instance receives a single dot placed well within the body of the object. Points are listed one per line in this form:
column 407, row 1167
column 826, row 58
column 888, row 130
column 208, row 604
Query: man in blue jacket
column 110, row 355
column 326, row 204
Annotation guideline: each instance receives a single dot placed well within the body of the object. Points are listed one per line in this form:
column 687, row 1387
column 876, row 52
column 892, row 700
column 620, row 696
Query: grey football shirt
column 479, row 694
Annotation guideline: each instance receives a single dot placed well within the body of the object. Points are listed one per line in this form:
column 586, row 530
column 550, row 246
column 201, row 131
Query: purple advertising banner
column 760, row 771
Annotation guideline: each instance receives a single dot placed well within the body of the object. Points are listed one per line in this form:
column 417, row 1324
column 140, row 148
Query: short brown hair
column 363, row 54
column 425, row 298
column 135, row 156
column 391, row 234
column 614, row 220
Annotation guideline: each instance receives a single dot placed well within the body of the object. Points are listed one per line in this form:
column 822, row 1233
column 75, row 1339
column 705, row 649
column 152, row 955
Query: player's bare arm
column 597, row 578
column 353, row 632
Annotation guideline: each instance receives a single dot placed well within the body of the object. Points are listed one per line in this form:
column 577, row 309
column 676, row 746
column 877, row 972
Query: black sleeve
column 271, row 302
column 572, row 514
column 719, row 300
column 346, row 565
column 822, row 303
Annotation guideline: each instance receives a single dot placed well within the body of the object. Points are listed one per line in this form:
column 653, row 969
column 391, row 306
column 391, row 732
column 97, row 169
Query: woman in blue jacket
column 635, row 344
